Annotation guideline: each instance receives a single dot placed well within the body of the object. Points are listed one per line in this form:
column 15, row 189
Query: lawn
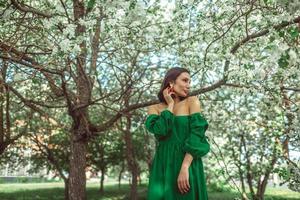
column 55, row 191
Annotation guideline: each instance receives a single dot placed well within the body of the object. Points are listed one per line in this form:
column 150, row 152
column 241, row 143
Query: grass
column 284, row 194
column 55, row 191
column 270, row 194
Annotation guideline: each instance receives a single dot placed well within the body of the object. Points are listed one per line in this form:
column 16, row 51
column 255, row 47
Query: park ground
column 55, row 191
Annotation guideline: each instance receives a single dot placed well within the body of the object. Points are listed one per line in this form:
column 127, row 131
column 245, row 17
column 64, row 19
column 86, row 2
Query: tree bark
column 120, row 175
column 248, row 167
column 102, row 180
column 80, row 130
column 261, row 186
column 132, row 163
column 148, row 151
column 66, row 181
column 77, row 178
column 1, row 110
column 241, row 173
column 4, row 134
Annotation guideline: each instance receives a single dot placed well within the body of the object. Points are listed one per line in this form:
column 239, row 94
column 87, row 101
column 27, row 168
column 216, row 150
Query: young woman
column 179, row 127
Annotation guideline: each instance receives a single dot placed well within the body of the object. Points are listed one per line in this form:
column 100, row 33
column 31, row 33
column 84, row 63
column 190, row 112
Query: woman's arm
column 196, row 144
column 194, row 106
column 187, row 161
column 160, row 124
column 183, row 178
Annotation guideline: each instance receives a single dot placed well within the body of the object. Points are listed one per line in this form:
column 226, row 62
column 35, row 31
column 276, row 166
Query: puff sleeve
column 196, row 143
column 160, row 125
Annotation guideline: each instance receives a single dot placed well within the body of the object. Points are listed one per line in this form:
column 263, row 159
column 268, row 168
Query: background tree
column 79, row 57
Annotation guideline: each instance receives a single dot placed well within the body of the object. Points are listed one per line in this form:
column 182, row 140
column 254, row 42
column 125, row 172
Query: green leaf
column 294, row 76
column 294, row 32
column 271, row 38
column 34, row 81
column 262, row 58
column 91, row 4
column 2, row 4
column 281, row 33
column 249, row 66
column 270, row 47
column 283, row 61
column 132, row 5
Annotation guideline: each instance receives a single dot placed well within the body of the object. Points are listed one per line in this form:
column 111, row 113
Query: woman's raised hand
column 167, row 95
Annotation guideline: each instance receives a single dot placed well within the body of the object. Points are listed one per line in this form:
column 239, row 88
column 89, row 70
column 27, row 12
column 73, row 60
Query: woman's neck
column 176, row 99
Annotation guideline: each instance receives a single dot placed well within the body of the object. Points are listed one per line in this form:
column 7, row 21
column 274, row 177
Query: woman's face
column 182, row 84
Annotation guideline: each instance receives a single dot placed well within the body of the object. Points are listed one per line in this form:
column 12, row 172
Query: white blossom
column 120, row 13
column 70, row 30
column 65, row 45
column 293, row 56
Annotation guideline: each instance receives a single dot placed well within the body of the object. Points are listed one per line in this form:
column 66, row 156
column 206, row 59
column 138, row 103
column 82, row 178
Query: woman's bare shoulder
column 194, row 104
column 156, row 108
column 152, row 109
column 192, row 99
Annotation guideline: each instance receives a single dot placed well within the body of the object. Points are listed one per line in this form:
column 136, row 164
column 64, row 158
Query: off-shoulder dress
column 176, row 135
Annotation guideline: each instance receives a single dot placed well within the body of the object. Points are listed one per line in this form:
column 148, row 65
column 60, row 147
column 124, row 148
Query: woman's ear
column 171, row 84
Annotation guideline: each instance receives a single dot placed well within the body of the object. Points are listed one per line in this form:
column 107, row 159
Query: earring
column 172, row 89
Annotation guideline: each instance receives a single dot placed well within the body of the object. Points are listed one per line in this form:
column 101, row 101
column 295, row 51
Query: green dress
column 177, row 135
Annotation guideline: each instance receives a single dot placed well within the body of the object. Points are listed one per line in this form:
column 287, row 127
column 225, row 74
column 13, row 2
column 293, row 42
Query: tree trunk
column 102, row 181
column 133, row 192
column 1, row 111
column 132, row 163
column 120, row 175
column 148, row 151
column 261, row 188
column 80, row 130
column 4, row 135
column 249, row 174
column 66, row 181
column 77, row 178
column 139, row 179
column 241, row 173
column 244, row 195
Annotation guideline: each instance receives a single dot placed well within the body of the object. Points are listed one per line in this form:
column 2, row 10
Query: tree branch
column 26, row 8
column 94, row 129
column 262, row 33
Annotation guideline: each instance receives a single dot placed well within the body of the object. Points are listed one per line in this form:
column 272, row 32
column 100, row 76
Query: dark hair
column 170, row 76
